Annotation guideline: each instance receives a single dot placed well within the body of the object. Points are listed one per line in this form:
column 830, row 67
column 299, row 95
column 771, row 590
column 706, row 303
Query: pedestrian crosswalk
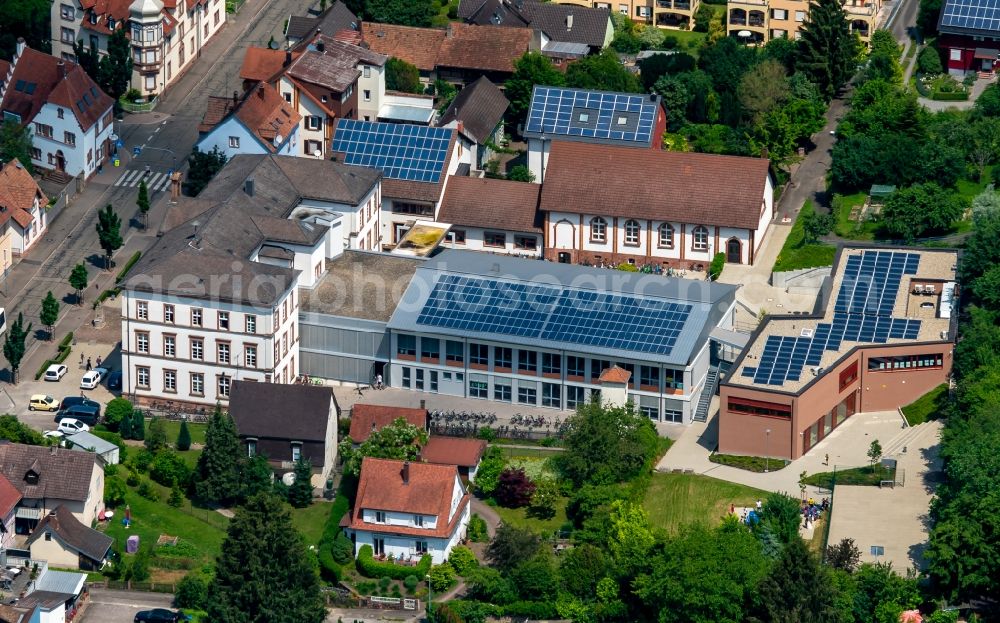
column 155, row 181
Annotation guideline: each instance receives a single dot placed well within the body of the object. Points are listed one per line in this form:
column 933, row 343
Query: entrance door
column 734, row 251
column 60, row 161
column 987, row 64
column 379, row 546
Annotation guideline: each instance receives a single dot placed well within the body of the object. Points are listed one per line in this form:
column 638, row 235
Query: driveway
column 121, row 606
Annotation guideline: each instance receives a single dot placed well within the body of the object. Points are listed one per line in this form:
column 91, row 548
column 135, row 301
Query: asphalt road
column 905, row 19
column 121, row 606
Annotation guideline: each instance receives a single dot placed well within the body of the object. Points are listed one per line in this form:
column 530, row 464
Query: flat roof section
column 361, row 284
column 882, row 296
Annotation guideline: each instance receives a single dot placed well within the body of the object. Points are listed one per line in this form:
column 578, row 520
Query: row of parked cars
column 90, row 380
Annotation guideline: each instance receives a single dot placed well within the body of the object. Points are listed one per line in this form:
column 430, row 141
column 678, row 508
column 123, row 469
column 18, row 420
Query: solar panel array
column 592, row 114
column 972, row 14
column 862, row 313
column 551, row 313
column 401, row 151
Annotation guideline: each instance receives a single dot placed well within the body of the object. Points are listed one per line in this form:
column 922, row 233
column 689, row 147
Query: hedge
column 329, row 568
column 128, row 266
column 371, row 568
column 949, row 97
column 104, row 295
column 65, row 348
column 715, row 269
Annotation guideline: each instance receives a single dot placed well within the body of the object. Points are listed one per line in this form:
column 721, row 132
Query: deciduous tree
column 202, row 167
column 607, row 444
column 511, row 546
column 402, row 12
column 399, row 440
column 515, row 488
column 402, row 76
column 530, row 70
column 78, row 281
column 603, row 72
column 109, row 233
column 844, row 555
column 919, row 210
column 49, row 313
column 14, row 345
column 142, row 202
column 797, row 590
column 15, row 142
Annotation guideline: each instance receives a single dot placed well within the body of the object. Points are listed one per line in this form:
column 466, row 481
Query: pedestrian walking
column 89, row 366
column 378, row 382
column 81, row 360
column 98, row 361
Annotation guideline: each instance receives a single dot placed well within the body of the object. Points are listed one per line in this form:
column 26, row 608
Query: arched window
column 598, row 229
column 666, row 232
column 699, row 238
column 632, row 232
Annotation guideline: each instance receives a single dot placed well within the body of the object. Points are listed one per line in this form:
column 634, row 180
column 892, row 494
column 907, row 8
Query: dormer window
column 418, row 521
column 111, row 23
column 93, row 17
column 31, row 477
column 379, row 516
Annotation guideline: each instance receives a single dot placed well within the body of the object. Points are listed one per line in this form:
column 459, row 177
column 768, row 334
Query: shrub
column 371, row 568
column 462, row 560
column 715, row 269
column 148, row 491
column 176, row 498
column 442, row 577
column 515, row 488
column 410, row 582
column 192, row 592
column 114, row 491
column 488, row 474
column 929, row 61
column 329, row 570
column 141, row 460
column 384, row 583
column 138, row 571
column 115, row 412
column 169, row 469
column 538, row 610
column 132, row 479
column 128, row 266
column 477, row 531
column 156, row 436
column 487, row 434
column 342, row 549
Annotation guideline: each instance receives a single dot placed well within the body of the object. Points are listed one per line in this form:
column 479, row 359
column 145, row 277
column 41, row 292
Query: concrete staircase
column 705, row 400
column 896, row 445
column 58, row 177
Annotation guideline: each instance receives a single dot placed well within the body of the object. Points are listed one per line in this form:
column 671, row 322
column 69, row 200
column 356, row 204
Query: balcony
column 863, row 10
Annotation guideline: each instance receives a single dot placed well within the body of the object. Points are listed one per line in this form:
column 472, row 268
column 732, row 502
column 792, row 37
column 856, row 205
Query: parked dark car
column 159, row 615
column 72, row 401
column 89, row 414
column 115, row 380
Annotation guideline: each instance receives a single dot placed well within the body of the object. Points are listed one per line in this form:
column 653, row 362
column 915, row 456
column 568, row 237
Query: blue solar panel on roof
column 971, row 14
column 581, row 317
column 401, row 151
column 614, row 116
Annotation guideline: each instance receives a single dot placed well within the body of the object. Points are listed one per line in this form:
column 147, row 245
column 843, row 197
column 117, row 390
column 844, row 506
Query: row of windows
column 197, row 349
column 295, row 446
column 759, row 407
column 905, row 362
column 196, row 317
column 197, row 382
column 633, row 234
column 528, row 361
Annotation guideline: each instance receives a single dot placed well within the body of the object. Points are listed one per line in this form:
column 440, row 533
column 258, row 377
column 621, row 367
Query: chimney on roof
column 20, row 46
column 62, row 70
column 450, row 32
column 569, row 22
column 248, row 186
column 236, row 99
column 288, row 57
column 406, row 472
column 260, row 91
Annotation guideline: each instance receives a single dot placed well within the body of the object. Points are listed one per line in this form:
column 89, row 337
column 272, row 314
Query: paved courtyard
column 896, row 519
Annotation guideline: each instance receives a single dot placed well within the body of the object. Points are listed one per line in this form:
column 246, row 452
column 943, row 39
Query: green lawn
column 843, row 225
column 750, row 463
column 865, row 476
column 519, row 517
column 688, row 39
column 927, row 407
column 544, row 453
column 309, row 521
column 174, row 428
column 795, row 254
column 673, row 500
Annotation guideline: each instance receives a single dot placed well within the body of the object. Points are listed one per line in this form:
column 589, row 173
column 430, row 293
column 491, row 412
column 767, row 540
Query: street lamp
column 430, row 597
column 767, row 458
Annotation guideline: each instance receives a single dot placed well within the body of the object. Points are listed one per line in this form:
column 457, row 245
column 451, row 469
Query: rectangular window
column 379, row 516
column 367, row 94
column 197, row 349
column 170, row 381
column 224, row 320
column 551, row 395
column 314, row 122
column 224, row 385
column 758, row 407
column 596, row 367
column 251, row 323
column 650, row 407
column 366, row 71
column 251, row 448
column 800, row 16
column 196, row 317
column 67, row 12
column 479, row 354
column 955, row 54
column 406, row 345
column 433, row 386
column 197, row 384
column 575, row 396
column 494, row 239
column 479, row 389
column 419, row 383
column 525, row 243
column 848, row 375
column 69, row 138
column 168, row 313
column 250, row 356
column 223, row 352
column 43, row 130
column 296, row 452
column 407, row 378
column 674, row 380
column 36, row 154
column 418, row 521
column 142, row 377
column 527, row 361
column 142, row 342
column 649, row 378
column 457, row 236
column 779, row 14
column 576, row 366
column 169, row 346
column 527, row 395
column 66, row 35
column 502, row 390
column 420, row 547
column 142, row 310
column 430, row 349
column 234, row 142
column 502, row 357
column 454, row 351
column 551, row 363
column 905, row 362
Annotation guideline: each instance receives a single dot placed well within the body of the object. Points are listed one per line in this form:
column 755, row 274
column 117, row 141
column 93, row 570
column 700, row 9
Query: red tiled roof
column 218, row 108
column 416, row 46
column 428, row 492
column 366, row 418
column 453, row 451
column 9, row 496
column 263, row 64
column 81, row 94
column 18, row 191
column 491, row 204
column 614, row 374
column 265, row 113
column 707, row 189
column 488, row 48
column 115, row 9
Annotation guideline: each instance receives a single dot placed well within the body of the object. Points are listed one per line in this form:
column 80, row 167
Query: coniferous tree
column 142, row 201
column 138, row 425
column 798, row 589
column 184, row 437
column 217, row 477
column 300, row 493
column 115, row 68
column 263, row 574
column 125, row 426
column 828, row 51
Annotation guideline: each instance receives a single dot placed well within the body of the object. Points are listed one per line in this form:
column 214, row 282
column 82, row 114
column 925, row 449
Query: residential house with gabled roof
column 496, row 216
column 702, row 204
column 261, row 123
column 268, row 224
column 10, row 497
column 477, row 113
column 22, row 211
column 335, row 18
column 48, row 476
column 61, row 540
column 366, row 419
column 406, row 510
column 970, row 36
column 69, row 115
column 588, row 27
column 166, row 36
column 465, row 454
column 286, row 423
